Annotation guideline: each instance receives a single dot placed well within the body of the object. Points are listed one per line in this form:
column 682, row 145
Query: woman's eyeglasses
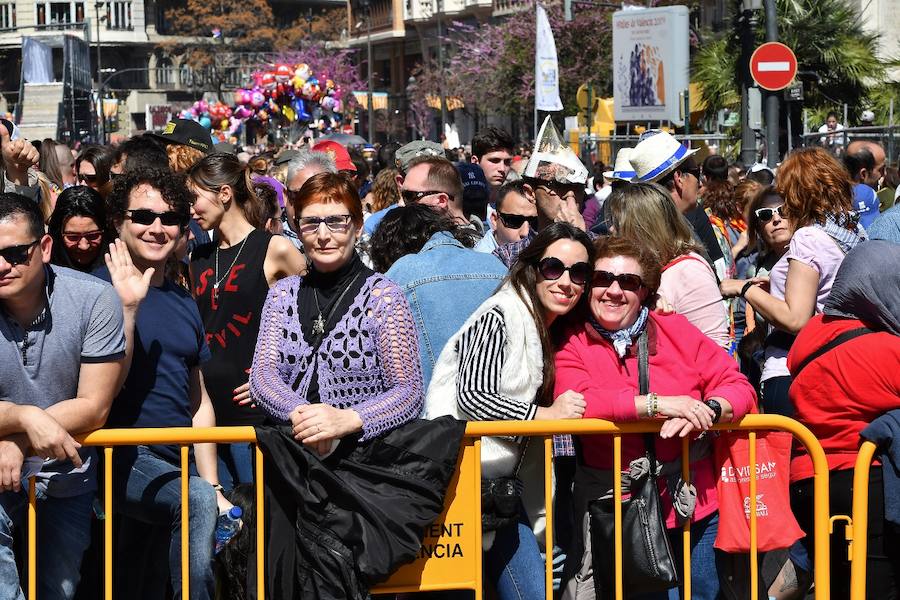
column 551, row 269
column 335, row 223
column 92, row 237
column 629, row 282
column 515, row 221
column 16, row 255
column 89, row 179
column 766, row 214
column 145, row 216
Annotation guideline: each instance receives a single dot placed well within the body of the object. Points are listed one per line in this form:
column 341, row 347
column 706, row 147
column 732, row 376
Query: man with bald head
column 865, row 162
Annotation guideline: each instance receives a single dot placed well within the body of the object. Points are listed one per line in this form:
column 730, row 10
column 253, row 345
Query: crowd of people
column 358, row 311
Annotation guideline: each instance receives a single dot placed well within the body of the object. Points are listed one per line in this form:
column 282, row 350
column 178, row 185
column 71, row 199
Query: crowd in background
column 358, row 306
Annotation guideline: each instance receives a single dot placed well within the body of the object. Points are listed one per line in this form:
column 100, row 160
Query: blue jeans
column 514, row 565
column 704, row 561
column 152, row 495
column 63, row 534
column 235, row 464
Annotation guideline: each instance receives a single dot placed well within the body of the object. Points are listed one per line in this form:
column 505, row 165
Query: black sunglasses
column 16, row 255
column 629, row 282
column 766, row 214
column 551, row 269
column 515, row 221
column 411, row 197
column 87, row 178
column 145, row 216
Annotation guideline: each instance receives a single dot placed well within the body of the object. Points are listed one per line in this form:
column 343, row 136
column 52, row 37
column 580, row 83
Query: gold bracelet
column 652, row 405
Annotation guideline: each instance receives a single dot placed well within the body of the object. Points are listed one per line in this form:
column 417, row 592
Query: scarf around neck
column 621, row 339
column 844, row 230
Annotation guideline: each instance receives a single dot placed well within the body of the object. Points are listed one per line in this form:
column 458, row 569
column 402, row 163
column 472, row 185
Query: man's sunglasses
column 16, row 255
column 145, row 216
column 629, row 282
column 411, row 197
column 335, row 223
column 515, row 221
column 93, row 237
column 551, row 269
column 766, row 214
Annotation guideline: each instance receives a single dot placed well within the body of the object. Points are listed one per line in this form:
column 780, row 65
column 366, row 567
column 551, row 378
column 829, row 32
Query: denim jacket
column 444, row 283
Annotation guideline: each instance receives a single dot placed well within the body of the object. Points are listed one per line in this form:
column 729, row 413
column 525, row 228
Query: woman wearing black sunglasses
column 79, row 229
column 692, row 385
column 499, row 366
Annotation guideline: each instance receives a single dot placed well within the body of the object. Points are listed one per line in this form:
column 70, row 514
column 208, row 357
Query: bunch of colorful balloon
column 291, row 93
column 217, row 116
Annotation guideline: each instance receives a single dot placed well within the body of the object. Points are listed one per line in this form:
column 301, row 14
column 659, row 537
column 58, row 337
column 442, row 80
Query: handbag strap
column 841, row 339
column 644, row 388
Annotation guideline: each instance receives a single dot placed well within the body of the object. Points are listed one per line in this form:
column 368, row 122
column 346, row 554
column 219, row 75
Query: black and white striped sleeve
column 481, row 354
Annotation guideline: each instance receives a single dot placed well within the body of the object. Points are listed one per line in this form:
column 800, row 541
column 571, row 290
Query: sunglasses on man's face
column 767, row 214
column 89, row 179
column 629, row 282
column 92, row 237
column 16, row 255
column 411, row 196
column 551, row 269
column 145, row 216
column 513, row 221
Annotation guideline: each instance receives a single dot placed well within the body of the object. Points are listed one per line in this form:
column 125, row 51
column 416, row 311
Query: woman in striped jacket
column 499, row 366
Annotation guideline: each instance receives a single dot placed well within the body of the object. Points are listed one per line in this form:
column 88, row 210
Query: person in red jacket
column 839, row 392
column 693, row 384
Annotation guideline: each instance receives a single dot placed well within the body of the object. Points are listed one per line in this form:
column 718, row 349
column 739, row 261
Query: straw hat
column 657, row 155
column 552, row 160
column 622, row 171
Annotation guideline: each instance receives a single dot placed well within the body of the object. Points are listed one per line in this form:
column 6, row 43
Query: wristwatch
column 716, row 407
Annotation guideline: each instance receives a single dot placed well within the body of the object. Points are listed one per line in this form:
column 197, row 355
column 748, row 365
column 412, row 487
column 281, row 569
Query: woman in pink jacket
column 693, row 384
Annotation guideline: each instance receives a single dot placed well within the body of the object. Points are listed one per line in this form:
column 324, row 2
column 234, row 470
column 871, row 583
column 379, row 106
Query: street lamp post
column 102, row 87
column 97, row 6
column 370, row 103
column 440, row 10
column 410, row 90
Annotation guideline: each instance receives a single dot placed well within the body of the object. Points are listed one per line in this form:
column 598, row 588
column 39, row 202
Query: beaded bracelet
column 652, row 405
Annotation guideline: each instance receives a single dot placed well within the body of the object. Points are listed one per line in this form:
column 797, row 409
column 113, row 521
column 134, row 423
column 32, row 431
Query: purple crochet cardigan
column 369, row 362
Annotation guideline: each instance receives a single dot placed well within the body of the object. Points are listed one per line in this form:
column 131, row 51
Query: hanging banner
column 650, row 63
column 546, row 70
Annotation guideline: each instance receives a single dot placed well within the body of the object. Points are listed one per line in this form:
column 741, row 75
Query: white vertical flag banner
column 546, row 71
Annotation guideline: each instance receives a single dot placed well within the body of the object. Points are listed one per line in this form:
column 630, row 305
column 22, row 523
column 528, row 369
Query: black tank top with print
column 230, row 304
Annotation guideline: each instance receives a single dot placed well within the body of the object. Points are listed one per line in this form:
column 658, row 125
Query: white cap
column 657, row 155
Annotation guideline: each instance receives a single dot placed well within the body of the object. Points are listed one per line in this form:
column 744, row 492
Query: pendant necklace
column 216, row 280
column 319, row 322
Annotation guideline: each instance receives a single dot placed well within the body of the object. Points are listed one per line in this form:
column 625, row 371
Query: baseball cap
column 187, row 133
column 406, row 153
column 338, row 153
column 475, row 185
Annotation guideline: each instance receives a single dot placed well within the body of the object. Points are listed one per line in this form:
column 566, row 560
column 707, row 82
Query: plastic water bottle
column 227, row 526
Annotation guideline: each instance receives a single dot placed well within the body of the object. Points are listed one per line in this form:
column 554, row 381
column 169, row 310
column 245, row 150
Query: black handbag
column 501, row 498
column 647, row 561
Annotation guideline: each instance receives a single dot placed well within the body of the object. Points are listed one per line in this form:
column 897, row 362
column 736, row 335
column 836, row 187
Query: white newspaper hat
column 552, row 160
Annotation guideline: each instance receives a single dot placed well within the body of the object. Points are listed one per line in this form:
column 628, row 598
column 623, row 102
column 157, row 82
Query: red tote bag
column 776, row 525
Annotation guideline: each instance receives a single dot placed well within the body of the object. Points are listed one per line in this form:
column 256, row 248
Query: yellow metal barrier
column 451, row 556
column 859, row 523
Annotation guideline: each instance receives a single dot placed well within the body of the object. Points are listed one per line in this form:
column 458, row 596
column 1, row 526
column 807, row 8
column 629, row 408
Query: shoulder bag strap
column 844, row 337
column 644, row 388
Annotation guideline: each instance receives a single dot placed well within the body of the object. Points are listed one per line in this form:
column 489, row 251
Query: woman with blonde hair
column 645, row 214
column 816, row 194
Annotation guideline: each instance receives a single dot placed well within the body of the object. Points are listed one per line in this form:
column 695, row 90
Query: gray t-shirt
column 41, row 361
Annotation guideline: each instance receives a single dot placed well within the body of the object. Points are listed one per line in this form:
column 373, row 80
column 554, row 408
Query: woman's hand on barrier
column 317, row 423
column 697, row 413
column 676, row 427
column 568, row 405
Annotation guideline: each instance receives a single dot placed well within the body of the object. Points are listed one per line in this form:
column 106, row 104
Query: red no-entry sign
column 773, row 66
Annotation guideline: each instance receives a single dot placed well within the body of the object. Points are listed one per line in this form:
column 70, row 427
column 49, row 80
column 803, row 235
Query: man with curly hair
column 150, row 209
